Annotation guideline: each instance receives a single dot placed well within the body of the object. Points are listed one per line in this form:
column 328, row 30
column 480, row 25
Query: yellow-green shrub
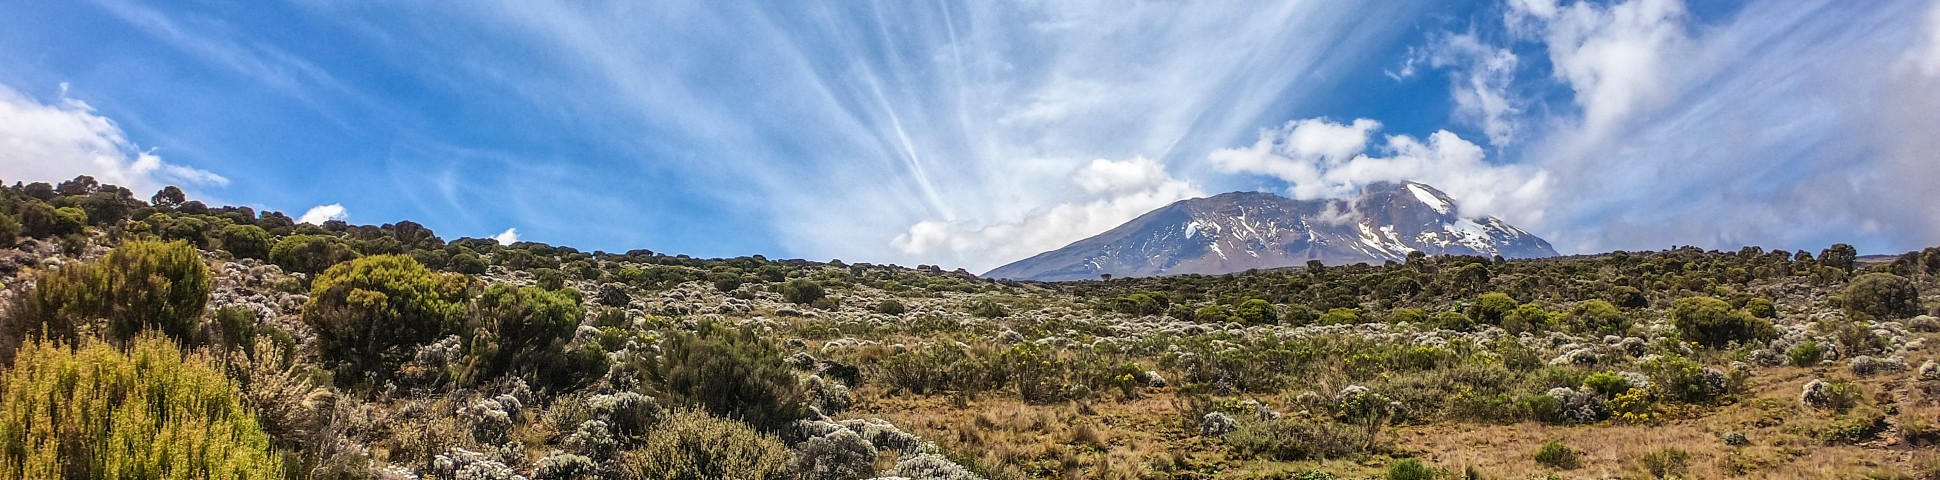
column 150, row 413
column 372, row 313
column 692, row 445
column 140, row 285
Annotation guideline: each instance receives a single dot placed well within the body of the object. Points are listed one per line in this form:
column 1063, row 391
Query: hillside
column 387, row 352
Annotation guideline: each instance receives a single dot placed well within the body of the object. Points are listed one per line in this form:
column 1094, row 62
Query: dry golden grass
column 1142, row 438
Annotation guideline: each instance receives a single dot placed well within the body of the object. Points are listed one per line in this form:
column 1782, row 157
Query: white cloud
column 1619, row 59
column 507, row 237
column 62, row 140
column 1787, row 124
column 1480, row 85
column 1119, row 191
column 324, row 213
column 1322, row 159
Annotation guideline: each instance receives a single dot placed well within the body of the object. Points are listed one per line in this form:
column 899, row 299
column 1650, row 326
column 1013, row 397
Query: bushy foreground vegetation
column 385, row 352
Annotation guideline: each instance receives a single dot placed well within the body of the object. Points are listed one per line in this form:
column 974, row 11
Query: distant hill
column 1238, row 231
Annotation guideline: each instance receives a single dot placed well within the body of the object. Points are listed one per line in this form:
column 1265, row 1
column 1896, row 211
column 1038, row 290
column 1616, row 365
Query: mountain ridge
column 1238, row 231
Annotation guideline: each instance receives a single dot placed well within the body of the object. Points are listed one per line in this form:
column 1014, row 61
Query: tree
column 1714, row 323
column 141, row 285
column 1883, row 295
column 40, row 220
column 371, row 314
column 9, row 230
column 168, row 197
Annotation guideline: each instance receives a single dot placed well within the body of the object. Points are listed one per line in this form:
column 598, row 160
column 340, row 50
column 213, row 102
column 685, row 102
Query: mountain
column 1237, row 231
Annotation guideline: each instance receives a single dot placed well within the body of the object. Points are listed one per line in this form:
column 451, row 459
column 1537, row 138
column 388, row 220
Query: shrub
column 1761, row 308
column 1607, row 384
column 988, row 308
column 1666, row 463
column 1490, row 308
column 371, row 314
column 890, row 307
column 141, row 285
column 245, row 241
column 840, row 455
column 1410, row 469
column 1340, row 316
column 801, row 292
column 1805, row 354
column 1452, row 320
column 1597, row 316
column 693, row 445
column 40, row 220
column 523, row 331
column 1838, row 396
column 1257, row 311
column 96, row 412
column 1883, row 295
column 1714, row 323
column 155, row 285
column 730, row 372
column 309, row 254
column 1558, row 456
column 1289, row 439
column 1682, row 379
column 1528, row 318
column 9, row 229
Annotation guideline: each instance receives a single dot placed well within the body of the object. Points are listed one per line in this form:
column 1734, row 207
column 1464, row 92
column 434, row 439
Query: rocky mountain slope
column 1237, row 231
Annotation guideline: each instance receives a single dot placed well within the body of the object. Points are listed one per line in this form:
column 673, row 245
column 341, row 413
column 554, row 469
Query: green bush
column 1761, row 307
column 1558, row 456
column 40, row 220
column 988, row 308
column 522, row 331
column 371, row 314
column 309, row 254
column 693, row 445
column 95, row 412
column 1491, row 308
column 1597, row 316
column 1288, row 439
column 801, row 292
column 1528, row 317
column 1666, row 463
column 1410, row 469
column 1607, row 384
column 1340, row 316
column 9, row 229
column 1883, row 295
column 730, row 372
column 1806, row 354
column 155, row 285
column 1713, row 323
column 890, row 307
column 245, row 241
column 140, row 285
column 1257, row 311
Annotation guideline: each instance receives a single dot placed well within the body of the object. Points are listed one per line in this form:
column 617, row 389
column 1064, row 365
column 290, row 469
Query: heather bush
column 693, row 445
column 371, row 314
column 96, row 412
column 139, row 286
column 730, row 372
column 1558, row 456
column 309, row 254
column 245, row 241
column 1883, row 295
column 1805, row 354
column 1291, row 439
column 1666, row 463
column 1410, row 469
column 1713, row 323
column 523, row 331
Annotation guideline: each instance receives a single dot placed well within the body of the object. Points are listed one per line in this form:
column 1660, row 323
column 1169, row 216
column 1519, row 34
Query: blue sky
column 970, row 135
